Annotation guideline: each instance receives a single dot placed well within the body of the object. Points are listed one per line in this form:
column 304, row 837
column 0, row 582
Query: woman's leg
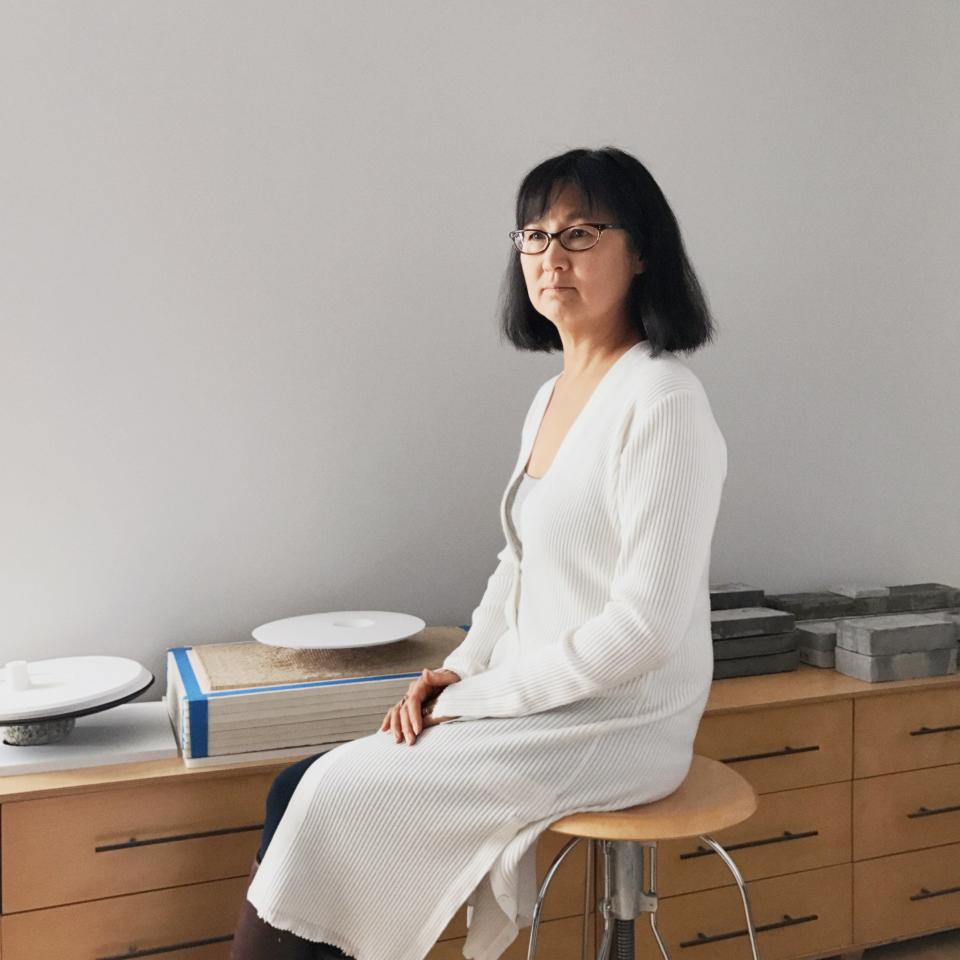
column 281, row 790
column 254, row 938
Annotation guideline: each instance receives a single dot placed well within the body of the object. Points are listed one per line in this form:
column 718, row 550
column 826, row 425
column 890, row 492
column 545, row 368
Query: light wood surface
column 807, row 684
column 784, row 746
column 167, row 918
column 792, row 830
column 901, row 718
column 710, row 798
column 884, row 889
column 58, row 850
column 818, row 904
column 907, row 811
column 94, row 779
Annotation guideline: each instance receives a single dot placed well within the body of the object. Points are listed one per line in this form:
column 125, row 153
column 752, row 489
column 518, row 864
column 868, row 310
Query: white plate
column 67, row 684
column 339, row 629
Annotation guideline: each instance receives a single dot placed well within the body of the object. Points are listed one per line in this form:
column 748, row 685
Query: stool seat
column 712, row 796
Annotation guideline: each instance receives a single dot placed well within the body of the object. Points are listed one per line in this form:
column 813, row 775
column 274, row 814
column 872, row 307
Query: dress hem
column 439, row 919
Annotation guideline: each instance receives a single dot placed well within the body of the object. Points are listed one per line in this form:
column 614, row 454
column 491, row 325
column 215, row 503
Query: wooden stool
column 712, row 797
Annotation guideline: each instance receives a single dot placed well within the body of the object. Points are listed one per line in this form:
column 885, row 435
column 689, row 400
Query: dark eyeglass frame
column 516, row 235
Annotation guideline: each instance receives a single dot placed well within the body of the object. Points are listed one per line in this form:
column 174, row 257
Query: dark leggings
column 281, row 790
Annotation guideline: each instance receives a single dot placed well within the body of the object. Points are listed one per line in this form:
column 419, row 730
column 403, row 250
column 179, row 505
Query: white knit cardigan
column 615, row 554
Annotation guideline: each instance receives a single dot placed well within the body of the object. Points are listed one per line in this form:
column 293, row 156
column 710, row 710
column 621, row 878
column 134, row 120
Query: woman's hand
column 407, row 718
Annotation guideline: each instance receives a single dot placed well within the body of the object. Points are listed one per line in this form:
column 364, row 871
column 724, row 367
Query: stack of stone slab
column 749, row 638
column 817, row 642
column 861, row 600
column 821, row 614
column 900, row 646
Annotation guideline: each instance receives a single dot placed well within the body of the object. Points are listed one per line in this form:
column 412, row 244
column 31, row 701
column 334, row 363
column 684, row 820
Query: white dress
column 582, row 691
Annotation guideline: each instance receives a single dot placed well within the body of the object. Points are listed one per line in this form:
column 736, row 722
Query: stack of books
column 247, row 700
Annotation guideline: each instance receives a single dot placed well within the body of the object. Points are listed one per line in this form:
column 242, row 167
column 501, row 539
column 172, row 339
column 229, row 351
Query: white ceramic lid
column 35, row 690
column 339, row 629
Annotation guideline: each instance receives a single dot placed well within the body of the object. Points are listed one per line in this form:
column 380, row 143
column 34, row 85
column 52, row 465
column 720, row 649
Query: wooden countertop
column 806, row 684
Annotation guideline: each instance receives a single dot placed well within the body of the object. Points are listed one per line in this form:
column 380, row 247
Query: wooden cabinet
column 907, row 731
column 783, row 747
column 906, row 811
column 855, row 841
column 856, row 836
column 194, row 921
column 907, row 894
column 792, row 830
column 120, row 868
column 65, row 849
column 795, row 915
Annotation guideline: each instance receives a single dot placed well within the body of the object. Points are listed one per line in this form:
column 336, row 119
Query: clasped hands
column 407, row 719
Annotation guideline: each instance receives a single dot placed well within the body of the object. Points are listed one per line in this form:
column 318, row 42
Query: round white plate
column 339, row 629
column 67, row 684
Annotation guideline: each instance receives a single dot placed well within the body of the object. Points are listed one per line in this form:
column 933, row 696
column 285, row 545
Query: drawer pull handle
column 787, row 921
column 703, row 851
column 927, row 812
column 921, row 731
column 153, row 951
column 925, row 893
column 786, row 751
column 134, row 842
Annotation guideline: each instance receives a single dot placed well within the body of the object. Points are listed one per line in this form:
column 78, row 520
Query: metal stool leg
column 725, row 857
column 653, row 913
column 538, row 906
column 625, row 897
column 587, row 888
column 603, row 907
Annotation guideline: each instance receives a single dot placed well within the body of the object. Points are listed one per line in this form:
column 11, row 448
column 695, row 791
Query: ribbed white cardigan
column 614, row 555
column 585, row 671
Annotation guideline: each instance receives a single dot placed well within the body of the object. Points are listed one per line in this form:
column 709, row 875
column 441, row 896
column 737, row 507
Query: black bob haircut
column 665, row 302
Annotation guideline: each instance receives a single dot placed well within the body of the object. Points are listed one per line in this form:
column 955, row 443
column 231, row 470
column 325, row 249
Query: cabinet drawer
column 194, row 922
column 795, row 916
column 88, row 846
column 906, row 894
column 565, row 898
column 906, row 731
column 791, row 830
column 906, row 811
column 556, row 939
column 780, row 748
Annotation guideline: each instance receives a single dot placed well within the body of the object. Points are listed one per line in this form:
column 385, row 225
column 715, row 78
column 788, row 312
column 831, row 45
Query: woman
column 581, row 682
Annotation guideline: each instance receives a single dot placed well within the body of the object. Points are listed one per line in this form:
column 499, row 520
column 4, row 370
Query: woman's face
column 592, row 283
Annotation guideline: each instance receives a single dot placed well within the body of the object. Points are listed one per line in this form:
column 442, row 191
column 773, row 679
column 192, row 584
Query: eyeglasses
column 581, row 236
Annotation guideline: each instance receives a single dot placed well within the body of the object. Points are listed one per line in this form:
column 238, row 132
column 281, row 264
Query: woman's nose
column 554, row 255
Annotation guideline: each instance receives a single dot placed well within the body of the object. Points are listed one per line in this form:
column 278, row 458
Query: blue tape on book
column 197, row 700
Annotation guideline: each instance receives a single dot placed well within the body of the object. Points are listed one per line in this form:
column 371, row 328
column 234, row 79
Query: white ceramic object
column 39, row 689
column 339, row 630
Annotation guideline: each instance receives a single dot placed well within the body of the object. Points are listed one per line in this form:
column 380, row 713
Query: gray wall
column 251, row 255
